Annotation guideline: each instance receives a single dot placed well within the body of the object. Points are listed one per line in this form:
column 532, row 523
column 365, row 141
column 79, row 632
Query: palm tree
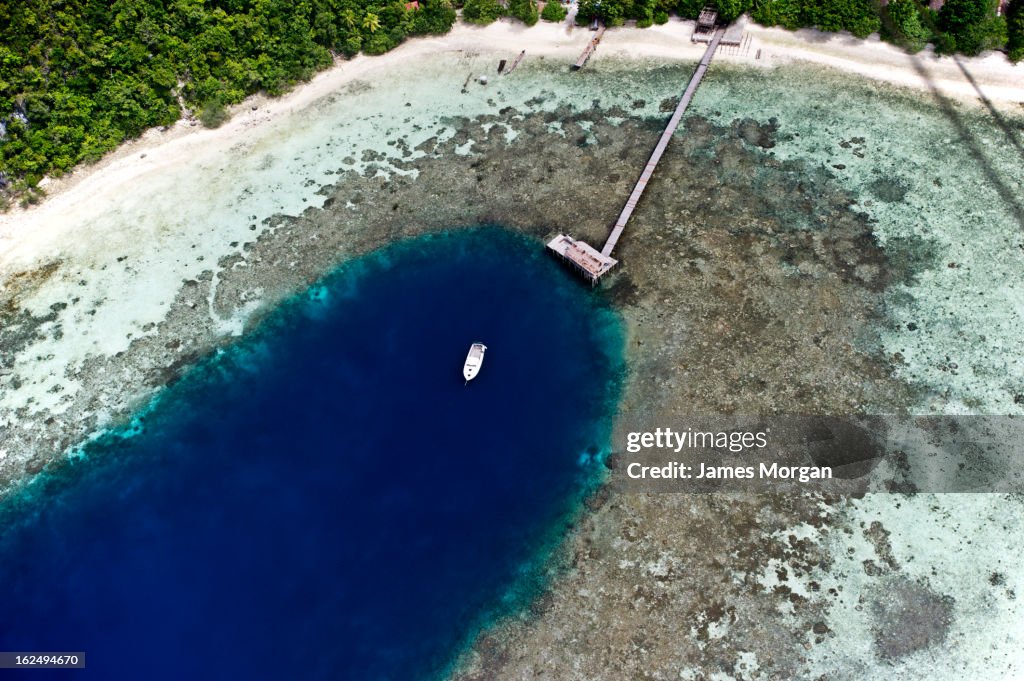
column 370, row 22
column 349, row 17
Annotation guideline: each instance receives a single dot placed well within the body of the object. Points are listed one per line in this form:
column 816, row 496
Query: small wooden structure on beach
column 705, row 28
column 515, row 63
column 734, row 33
column 589, row 49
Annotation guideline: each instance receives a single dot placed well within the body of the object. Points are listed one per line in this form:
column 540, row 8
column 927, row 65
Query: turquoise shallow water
column 326, row 499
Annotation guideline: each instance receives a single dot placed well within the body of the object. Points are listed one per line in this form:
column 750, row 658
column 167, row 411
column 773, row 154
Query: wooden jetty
column 585, row 258
column 666, row 137
column 589, row 49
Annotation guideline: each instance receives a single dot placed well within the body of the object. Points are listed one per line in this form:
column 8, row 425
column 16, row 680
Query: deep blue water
column 326, row 499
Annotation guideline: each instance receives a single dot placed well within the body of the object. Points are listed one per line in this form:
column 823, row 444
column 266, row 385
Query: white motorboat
column 474, row 360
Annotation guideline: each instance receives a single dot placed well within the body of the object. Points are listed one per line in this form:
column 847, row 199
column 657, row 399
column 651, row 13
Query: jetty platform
column 588, row 262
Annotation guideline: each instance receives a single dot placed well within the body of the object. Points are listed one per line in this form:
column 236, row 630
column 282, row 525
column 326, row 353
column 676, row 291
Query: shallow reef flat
column 941, row 183
column 811, row 244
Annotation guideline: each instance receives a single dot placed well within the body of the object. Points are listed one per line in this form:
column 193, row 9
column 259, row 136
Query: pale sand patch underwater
column 215, row 196
column 949, row 558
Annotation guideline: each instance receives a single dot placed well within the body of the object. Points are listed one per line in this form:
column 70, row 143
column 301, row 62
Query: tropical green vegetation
column 905, row 24
column 1015, row 30
column 78, row 77
column 964, row 26
column 616, row 12
column 553, row 11
column 524, row 10
column 482, row 11
column 729, row 10
column 859, row 17
column 970, row 26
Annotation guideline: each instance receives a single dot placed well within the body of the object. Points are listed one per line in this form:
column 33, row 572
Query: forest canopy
column 964, row 26
column 79, row 77
column 1015, row 30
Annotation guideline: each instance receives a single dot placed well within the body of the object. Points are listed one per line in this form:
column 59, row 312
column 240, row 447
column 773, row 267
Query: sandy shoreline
column 993, row 76
column 965, row 79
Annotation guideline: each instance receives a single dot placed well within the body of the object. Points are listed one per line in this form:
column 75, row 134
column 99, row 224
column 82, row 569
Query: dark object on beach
column 515, row 62
column 501, row 65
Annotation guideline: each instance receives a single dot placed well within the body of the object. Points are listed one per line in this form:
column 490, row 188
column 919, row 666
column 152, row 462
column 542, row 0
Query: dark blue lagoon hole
column 326, row 499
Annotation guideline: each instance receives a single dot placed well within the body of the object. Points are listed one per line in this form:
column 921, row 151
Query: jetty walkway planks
column 666, row 136
column 589, row 49
column 584, row 258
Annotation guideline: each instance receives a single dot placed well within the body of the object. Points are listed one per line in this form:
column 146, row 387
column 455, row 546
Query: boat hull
column 474, row 360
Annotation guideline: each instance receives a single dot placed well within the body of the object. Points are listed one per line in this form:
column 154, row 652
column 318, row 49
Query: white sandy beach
column 994, row 78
